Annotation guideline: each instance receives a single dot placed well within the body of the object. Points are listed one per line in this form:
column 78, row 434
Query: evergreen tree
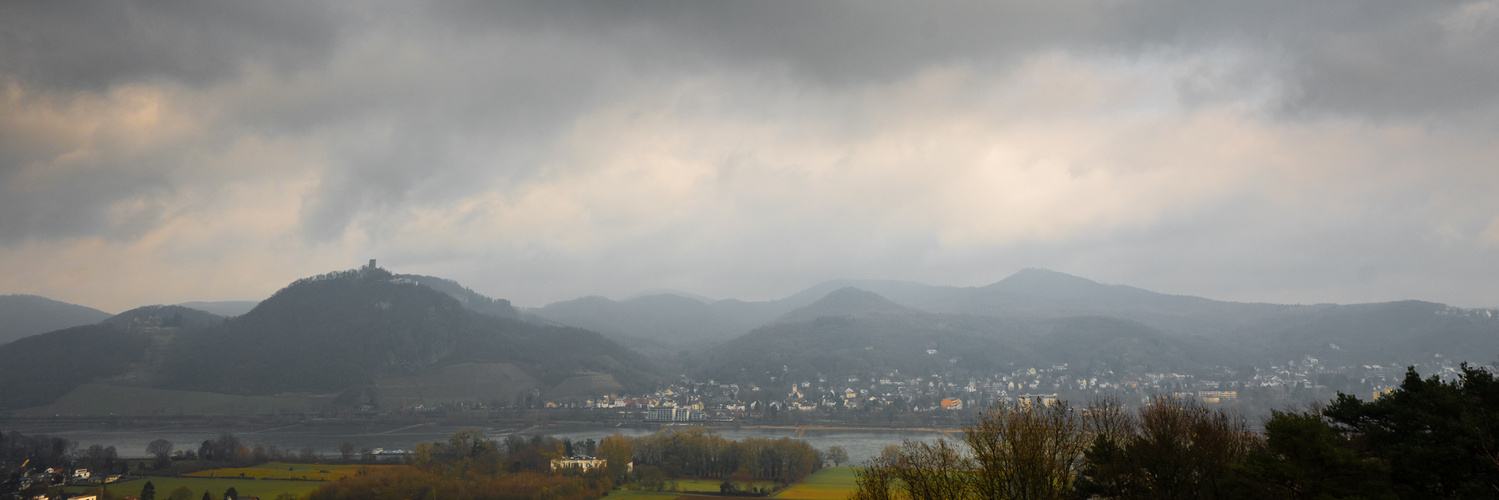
column 1438, row 437
column 148, row 492
column 1304, row 457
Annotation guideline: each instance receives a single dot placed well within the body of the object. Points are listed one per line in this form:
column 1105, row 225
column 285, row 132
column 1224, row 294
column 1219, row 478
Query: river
column 325, row 439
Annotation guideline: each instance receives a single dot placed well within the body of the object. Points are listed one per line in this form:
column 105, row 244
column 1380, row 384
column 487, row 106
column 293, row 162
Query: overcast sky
column 1280, row 151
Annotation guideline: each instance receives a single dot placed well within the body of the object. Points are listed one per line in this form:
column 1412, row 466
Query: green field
column 247, row 488
column 664, row 495
column 278, row 470
column 711, row 485
column 641, row 495
column 830, row 483
column 264, row 481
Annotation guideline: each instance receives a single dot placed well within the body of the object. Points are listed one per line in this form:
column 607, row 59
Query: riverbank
column 324, row 438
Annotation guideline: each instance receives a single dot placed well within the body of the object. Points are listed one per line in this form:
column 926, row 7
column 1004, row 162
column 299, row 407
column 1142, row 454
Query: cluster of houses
column 47, row 478
column 585, row 464
column 1378, row 379
column 693, row 401
column 689, row 400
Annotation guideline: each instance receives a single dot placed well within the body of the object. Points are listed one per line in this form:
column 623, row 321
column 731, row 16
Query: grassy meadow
column 643, row 495
column 830, row 483
column 279, row 470
column 266, row 481
column 711, row 485
column 247, row 488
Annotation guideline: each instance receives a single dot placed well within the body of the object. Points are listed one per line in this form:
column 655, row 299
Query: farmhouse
column 585, row 464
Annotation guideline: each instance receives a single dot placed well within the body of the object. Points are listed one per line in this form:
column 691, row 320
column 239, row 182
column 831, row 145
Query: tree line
column 1429, row 438
column 470, row 465
column 42, row 451
column 700, row 455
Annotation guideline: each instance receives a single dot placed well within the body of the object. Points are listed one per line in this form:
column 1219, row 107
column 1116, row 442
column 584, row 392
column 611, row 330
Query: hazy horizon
column 788, row 293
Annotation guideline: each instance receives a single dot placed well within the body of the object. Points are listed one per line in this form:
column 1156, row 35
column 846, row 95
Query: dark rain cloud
column 91, row 46
column 1345, row 56
column 1362, row 58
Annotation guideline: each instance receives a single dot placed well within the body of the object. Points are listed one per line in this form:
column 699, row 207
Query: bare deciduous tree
column 836, row 454
column 1174, row 448
column 162, row 450
column 938, row 471
column 1026, row 450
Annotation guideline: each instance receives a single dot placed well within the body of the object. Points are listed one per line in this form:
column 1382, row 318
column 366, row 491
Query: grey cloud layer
column 1346, row 55
column 374, row 123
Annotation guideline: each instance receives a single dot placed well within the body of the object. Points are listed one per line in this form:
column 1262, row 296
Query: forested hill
column 464, row 295
column 159, row 316
column 848, row 302
column 25, row 315
column 36, row 370
column 856, row 331
column 1146, row 328
column 341, row 330
column 225, row 308
column 1041, row 318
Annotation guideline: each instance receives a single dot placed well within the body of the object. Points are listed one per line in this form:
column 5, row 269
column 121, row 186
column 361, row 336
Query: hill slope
column 853, row 331
column 341, row 330
column 26, row 315
column 848, row 302
column 159, row 316
column 1040, row 319
column 225, row 308
column 667, row 318
column 1069, row 319
column 37, row 370
column 470, row 299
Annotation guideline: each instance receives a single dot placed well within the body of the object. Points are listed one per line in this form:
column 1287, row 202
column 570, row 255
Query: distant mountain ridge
column 1029, row 293
column 857, row 331
column 1040, row 315
column 26, row 315
column 847, row 302
column 1045, row 317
